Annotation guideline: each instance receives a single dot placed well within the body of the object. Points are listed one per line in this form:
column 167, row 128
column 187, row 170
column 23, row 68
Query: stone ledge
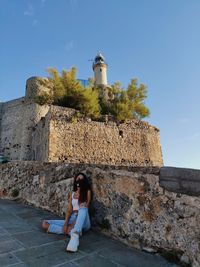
column 180, row 180
column 142, row 169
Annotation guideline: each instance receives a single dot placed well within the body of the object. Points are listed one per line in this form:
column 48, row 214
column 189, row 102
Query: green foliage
column 137, row 95
column 58, row 87
column 72, row 94
column 126, row 104
column 68, row 92
column 90, row 104
column 75, row 118
column 44, row 99
column 122, row 104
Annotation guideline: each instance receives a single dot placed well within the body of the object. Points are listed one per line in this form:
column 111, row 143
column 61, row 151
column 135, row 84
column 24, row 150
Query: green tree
column 68, row 92
column 44, row 99
column 122, row 104
column 126, row 104
column 58, row 87
column 90, row 104
column 137, row 95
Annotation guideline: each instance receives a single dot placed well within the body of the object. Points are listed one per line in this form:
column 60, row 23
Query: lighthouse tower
column 100, row 70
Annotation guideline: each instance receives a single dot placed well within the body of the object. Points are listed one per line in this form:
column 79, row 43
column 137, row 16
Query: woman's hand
column 83, row 205
column 65, row 228
column 67, row 216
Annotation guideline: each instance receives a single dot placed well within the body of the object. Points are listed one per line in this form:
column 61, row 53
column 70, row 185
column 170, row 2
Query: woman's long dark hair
column 84, row 187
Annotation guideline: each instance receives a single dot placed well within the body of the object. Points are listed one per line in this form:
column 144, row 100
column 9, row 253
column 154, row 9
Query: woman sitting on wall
column 77, row 217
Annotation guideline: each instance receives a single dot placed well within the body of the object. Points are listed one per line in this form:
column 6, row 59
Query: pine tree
column 68, row 92
column 137, row 96
column 122, row 104
column 58, row 88
column 90, row 104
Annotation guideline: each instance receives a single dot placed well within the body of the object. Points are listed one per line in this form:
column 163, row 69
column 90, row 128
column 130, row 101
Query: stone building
column 29, row 131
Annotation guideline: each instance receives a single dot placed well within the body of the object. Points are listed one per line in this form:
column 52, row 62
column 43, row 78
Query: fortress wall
column 18, row 119
column 27, row 132
column 80, row 140
column 32, row 115
column 43, row 138
column 40, row 141
column 128, row 202
column 30, row 132
column 11, row 127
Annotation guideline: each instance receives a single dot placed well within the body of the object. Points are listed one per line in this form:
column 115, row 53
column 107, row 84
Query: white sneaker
column 73, row 243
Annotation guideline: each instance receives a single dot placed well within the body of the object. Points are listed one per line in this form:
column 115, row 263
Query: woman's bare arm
column 68, row 213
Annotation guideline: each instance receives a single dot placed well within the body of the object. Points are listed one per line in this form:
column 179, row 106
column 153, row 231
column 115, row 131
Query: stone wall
column 40, row 141
column 181, row 180
column 29, row 131
column 76, row 139
column 36, row 86
column 128, row 202
column 10, row 127
column 18, row 119
column 33, row 113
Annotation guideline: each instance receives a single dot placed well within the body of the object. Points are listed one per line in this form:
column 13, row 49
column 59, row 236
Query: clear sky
column 156, row 41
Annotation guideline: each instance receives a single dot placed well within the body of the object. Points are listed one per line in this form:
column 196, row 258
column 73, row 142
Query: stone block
column 180, row 180
column 35, row 238
column 95, row 260
column 122, row 256
column 7, row 259
column 52, row 254
column 10, row 246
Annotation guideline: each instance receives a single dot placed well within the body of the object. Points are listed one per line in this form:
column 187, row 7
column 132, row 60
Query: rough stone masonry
column 29, row 131
column 128, row 202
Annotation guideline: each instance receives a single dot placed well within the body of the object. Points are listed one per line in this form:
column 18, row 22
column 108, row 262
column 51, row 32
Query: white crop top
column 75, row 204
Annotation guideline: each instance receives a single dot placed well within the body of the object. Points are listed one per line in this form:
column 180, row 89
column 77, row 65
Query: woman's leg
column 56, row 226
column 53, row 226
column 45, row 225
column 69, row 228
column 87, row 224
column 82, row 221
column 71, row 223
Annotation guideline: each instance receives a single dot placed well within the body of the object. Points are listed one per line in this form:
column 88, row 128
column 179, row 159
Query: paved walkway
column 23, row 243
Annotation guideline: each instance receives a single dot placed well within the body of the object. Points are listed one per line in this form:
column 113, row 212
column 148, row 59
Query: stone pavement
column 23, row 243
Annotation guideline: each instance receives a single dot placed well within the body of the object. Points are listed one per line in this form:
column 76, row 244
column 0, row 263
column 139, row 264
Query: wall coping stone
column 180, row 180
column 142, row 169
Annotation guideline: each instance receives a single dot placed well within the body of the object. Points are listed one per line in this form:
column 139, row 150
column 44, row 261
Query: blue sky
column 156, row 41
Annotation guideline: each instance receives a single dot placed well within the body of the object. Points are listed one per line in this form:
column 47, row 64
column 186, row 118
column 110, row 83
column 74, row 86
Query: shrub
column 122, row 104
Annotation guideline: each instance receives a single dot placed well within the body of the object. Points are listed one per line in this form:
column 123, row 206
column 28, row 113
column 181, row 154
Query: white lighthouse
column 100, row 70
